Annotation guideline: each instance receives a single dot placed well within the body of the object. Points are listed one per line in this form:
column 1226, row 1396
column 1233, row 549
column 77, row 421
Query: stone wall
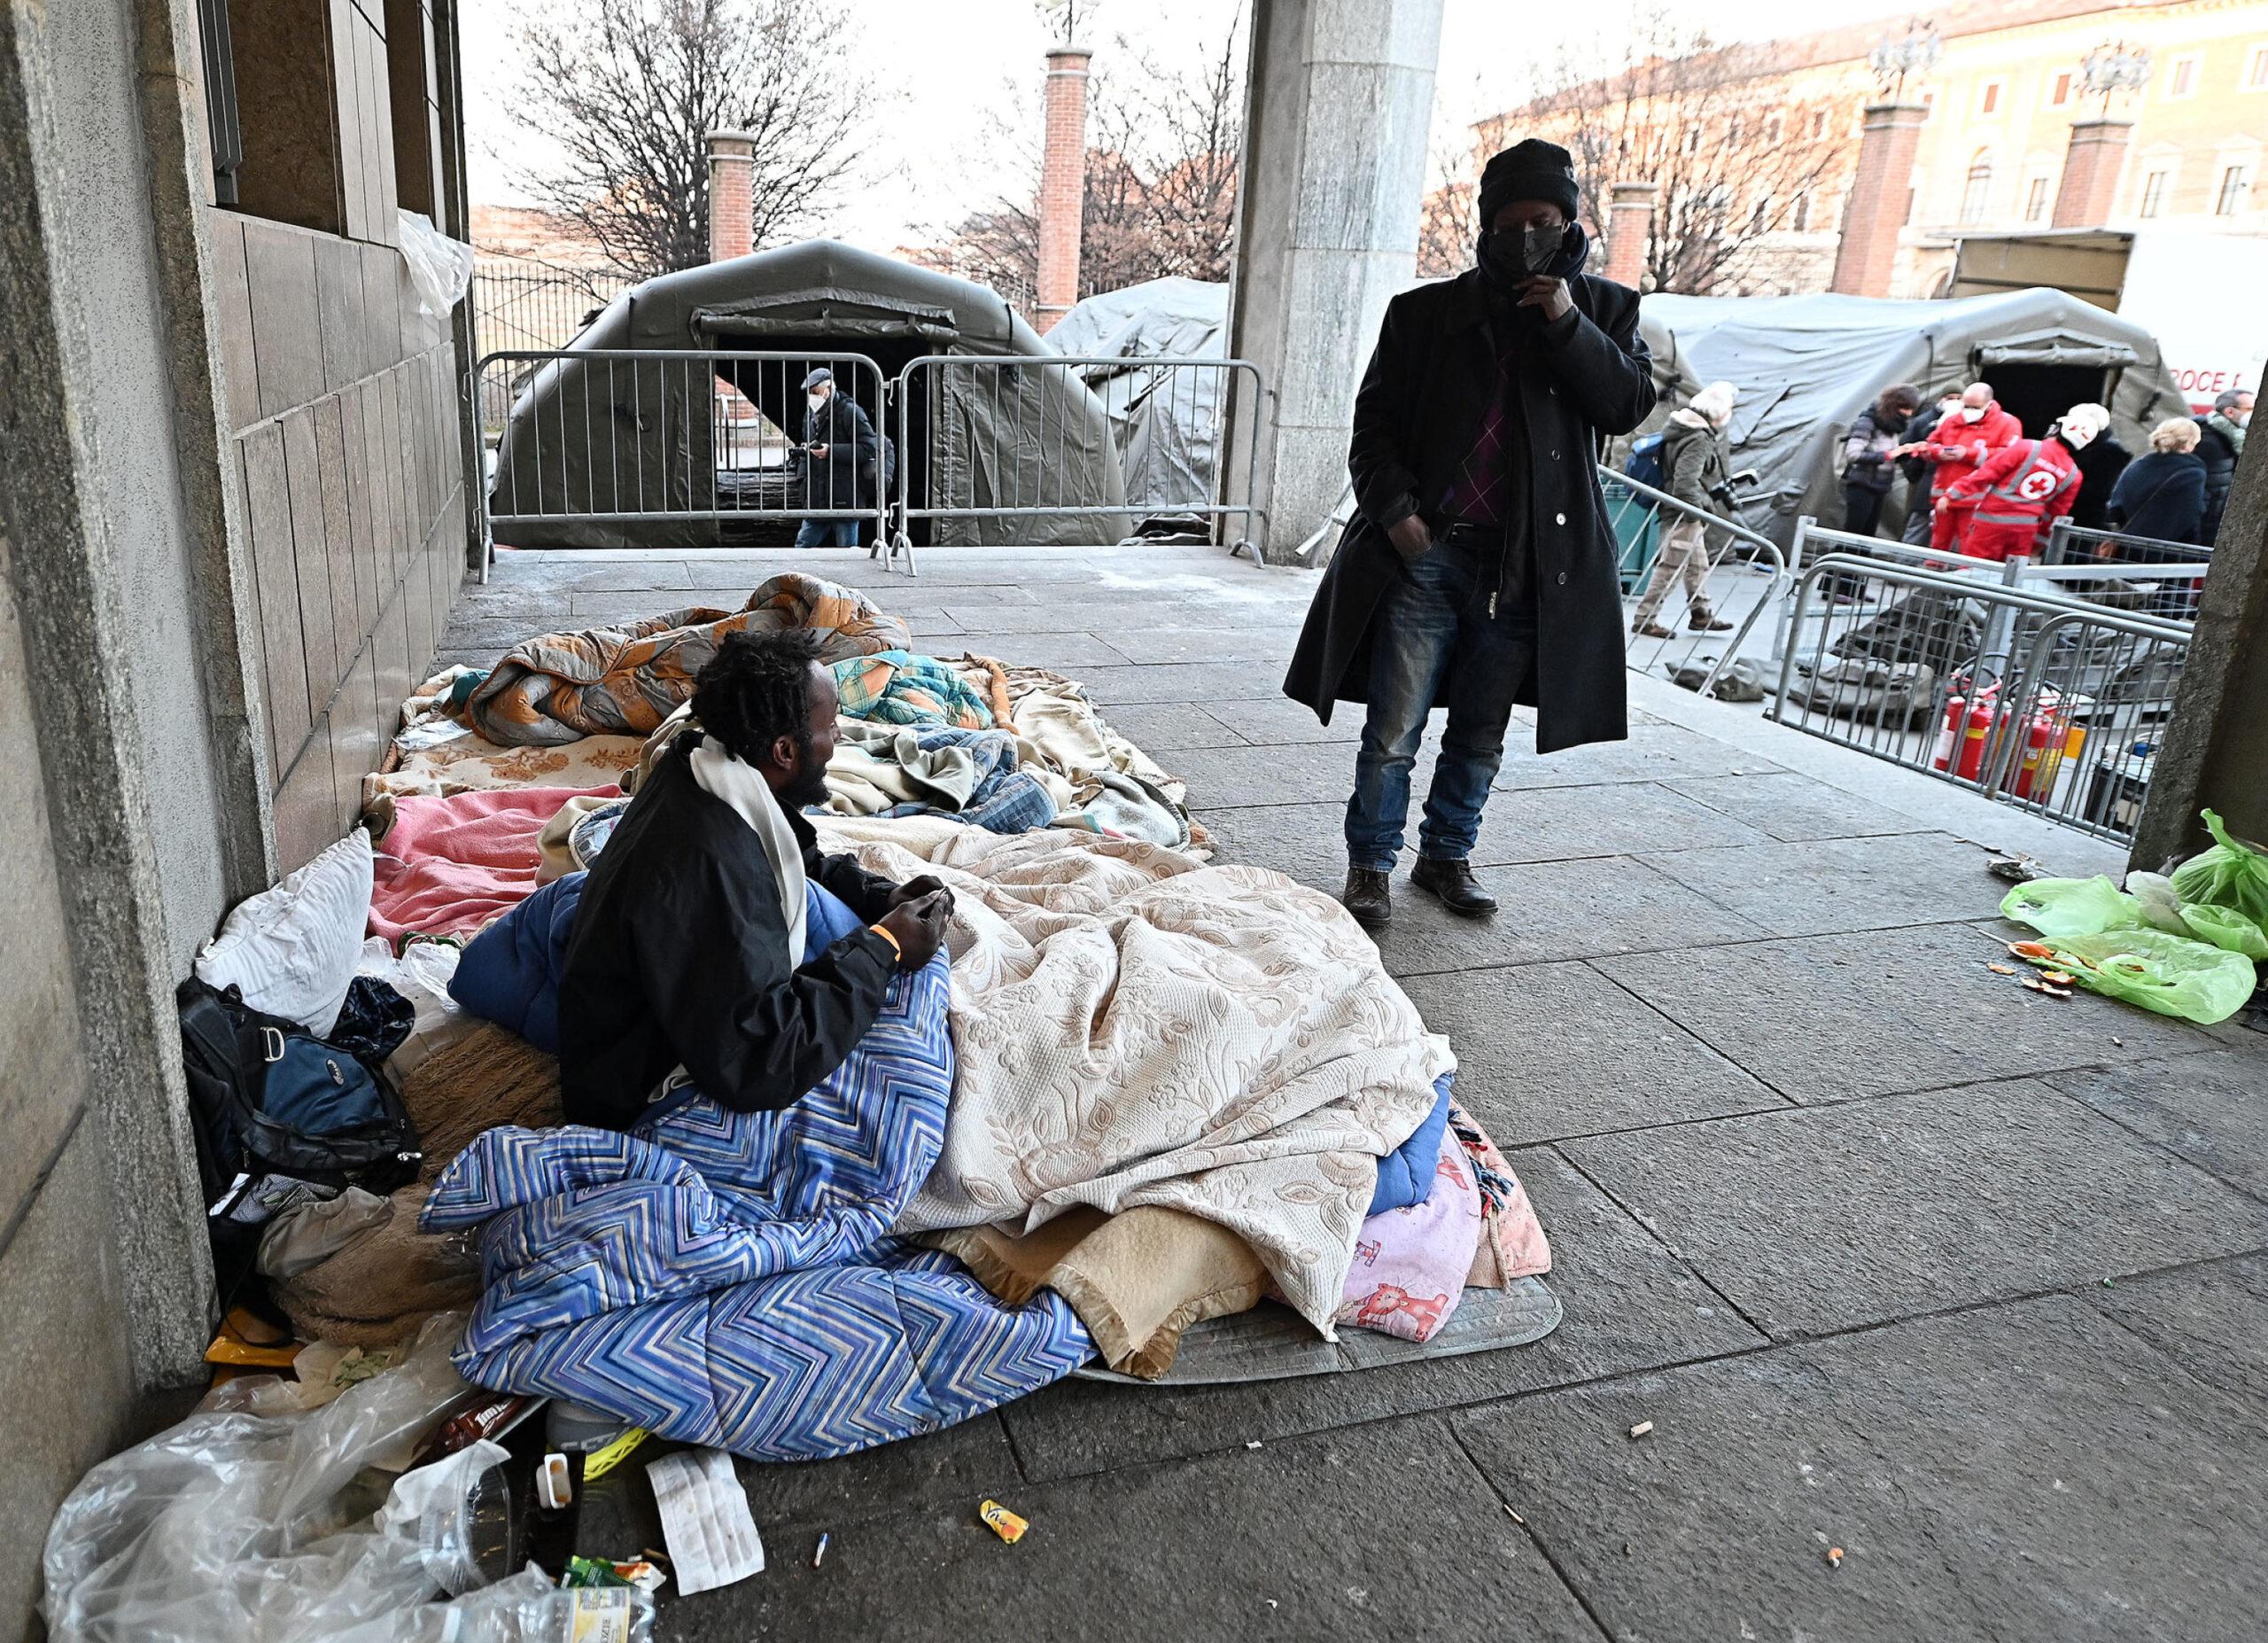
column 342, row 410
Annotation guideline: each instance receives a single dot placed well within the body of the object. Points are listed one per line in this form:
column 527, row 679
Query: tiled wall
column 344, row 410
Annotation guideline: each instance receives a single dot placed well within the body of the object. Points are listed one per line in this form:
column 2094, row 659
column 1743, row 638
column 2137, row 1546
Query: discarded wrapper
column 599, row 1462
column 554, row 1484
column 1642, row 1429
column 1002, row 1522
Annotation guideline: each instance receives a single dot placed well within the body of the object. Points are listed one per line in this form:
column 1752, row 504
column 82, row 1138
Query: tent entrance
column 2036, row 395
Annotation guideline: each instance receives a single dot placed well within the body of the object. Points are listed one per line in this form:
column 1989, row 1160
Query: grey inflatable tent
column 1168, row 423
column 1807, row 366
column 593, row 448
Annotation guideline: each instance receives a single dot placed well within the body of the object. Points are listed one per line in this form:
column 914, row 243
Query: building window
column 1772, row 129
column 2182, row 82
column 1760, row 215
column 2059, row 88
column 2035, row 201
column 1693, row 139
column 2230, row 200
column 2256, row 70
column 1818, row 124
column 1978, row 189
column 1988, row 100
column 1799, row 219
column 1732, row 132
column 2154, row 193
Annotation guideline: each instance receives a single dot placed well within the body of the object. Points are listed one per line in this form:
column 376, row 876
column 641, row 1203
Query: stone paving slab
column 1793, row 808
column 2212, row 1108
column 1631, row 818
column 1182, row 683
column 2030, row 1473
column 1384, row 1531
column 1630, row 1304
column 1280, row 723
column 1592, row 909
column 1825, row 886
column 1826, row 1017
column 1654, row 752
column 2212, row 1319
column 1059, row 652
column 1829, row 1218
column 1171, row 727
column 1553, row 1050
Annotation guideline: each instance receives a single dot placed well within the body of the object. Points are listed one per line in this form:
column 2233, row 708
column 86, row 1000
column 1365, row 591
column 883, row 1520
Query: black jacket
column 680, row 954
column 2101, row 460
column 2162, row 495
column 1420, row 405
column 1920, row 471
column 852, row 449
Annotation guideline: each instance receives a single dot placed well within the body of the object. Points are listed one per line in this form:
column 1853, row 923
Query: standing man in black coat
column 839, row 444
column 1479, row 570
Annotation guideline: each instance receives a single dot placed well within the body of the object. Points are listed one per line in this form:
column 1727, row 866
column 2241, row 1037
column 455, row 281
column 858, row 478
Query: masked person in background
column 839, row 444
column 1956, row 447
column 1479, row 570
column 1697, row 463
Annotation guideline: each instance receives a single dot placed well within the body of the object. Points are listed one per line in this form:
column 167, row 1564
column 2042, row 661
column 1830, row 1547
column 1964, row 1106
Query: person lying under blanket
column 683, row 966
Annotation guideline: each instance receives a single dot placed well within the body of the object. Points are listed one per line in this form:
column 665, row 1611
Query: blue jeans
column 828, row 533
column 1430, row 625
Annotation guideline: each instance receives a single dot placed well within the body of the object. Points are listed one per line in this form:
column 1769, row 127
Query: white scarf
column 726, row 777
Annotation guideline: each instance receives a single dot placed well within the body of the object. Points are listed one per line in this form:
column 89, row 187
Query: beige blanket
column 1133, row 1027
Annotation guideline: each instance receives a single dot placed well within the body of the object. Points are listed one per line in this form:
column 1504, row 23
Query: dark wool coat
column 2161, row 495
column 680, row 954
column 1420, row 405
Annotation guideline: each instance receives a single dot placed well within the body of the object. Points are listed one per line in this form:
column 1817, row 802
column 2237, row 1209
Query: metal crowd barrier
column 676, row 447
column 2035, row 699
column 2072, row 544
column 1746, row 575
column 1080, row 449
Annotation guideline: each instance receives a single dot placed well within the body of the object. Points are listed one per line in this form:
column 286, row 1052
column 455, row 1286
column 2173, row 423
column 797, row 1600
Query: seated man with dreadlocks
column 687, row 962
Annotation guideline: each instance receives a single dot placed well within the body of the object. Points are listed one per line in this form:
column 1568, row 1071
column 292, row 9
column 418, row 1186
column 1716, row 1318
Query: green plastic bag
column 2171, row 975
column 2225, row 927
column 2071, row 907
column 2231, row 875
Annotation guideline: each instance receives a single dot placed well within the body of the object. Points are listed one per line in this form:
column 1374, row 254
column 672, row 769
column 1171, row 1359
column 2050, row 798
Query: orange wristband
column 886, row 936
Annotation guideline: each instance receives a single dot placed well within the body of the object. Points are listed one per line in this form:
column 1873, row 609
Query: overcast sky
column 951, row 73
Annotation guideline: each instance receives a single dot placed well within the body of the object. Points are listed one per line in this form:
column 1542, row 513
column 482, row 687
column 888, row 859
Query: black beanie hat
column 1530, row 169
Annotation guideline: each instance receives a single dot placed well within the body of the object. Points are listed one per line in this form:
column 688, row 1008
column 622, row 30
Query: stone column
column 731, row 184
column 1062, row 184
column 1630, row 224
column 1339, row 95
column 1881, row 197
column 2092, row 165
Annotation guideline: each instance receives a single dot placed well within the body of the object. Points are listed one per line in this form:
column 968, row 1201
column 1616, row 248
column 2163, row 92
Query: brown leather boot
column 1453, row 885
column 1369, row 896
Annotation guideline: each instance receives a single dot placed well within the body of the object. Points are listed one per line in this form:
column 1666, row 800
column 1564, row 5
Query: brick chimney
column 732, row 206
column 2092, row 165
column 1063, row 183
column 1881, row 197
column 1630, row 223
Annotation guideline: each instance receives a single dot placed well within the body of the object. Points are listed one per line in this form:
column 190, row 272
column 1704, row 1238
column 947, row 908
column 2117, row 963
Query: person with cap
column 1696, row 461
column 1479, row 570
column 839, row 444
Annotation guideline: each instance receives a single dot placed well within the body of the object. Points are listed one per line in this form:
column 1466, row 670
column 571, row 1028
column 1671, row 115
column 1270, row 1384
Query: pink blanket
column 448, row 865
column 1410, row 1264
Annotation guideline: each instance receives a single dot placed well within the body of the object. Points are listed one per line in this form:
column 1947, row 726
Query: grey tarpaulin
column 1807, row 366
column 1166, row 424
column 596, row 436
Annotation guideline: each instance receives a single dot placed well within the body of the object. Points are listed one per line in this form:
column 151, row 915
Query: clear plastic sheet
column 238, row 1526
column 439, row 266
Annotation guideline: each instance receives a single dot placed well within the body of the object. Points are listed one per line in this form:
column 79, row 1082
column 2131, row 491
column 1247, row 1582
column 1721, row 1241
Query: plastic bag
column 2071, row 907
column 235, row 1527
column 2160, row 905
column 2172, row 974
column 439, row 266
column 2231, row 875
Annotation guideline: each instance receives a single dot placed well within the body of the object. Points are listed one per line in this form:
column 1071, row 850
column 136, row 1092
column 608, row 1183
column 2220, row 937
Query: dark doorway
column 2036, row 395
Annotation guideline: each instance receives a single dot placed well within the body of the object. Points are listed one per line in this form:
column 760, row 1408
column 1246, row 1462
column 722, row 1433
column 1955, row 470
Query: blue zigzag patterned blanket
column 727, row 1279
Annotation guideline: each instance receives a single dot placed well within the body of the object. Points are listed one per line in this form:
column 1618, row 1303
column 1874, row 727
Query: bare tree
column 1734, row 161
column 1448, row 223
column 1161, row 188
column 628, row 90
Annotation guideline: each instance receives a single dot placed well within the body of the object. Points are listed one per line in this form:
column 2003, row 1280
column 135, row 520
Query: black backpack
column 281, row 1119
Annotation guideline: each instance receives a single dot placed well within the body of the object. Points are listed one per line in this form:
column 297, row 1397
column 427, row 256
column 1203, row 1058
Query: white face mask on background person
column 815, row 400
column 2077, row 439
column 1972, row 413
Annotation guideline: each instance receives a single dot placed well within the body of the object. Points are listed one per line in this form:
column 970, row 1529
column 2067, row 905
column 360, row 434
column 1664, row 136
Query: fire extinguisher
column 1969, row 723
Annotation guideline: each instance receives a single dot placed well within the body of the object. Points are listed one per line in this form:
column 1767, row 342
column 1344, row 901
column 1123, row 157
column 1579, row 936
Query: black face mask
column 1509, row 257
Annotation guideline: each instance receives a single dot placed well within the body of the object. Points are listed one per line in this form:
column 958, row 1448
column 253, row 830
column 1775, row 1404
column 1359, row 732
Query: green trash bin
column 1636, row 524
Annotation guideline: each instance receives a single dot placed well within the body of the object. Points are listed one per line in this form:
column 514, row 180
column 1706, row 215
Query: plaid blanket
column 625, row 681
